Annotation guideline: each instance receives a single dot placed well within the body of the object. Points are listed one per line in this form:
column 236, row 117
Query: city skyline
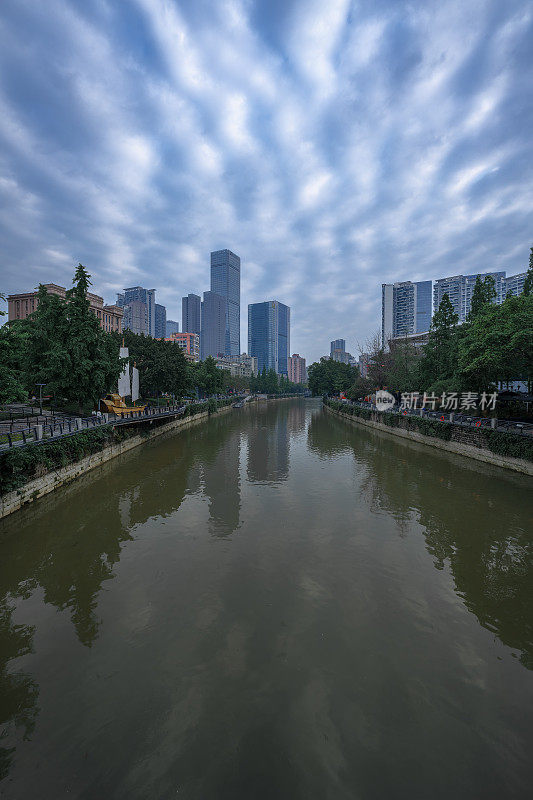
column 333, row 147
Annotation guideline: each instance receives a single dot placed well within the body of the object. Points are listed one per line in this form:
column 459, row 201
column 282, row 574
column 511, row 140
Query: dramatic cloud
column 332, row 145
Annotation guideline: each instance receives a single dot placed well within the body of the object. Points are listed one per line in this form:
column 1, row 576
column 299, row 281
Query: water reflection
column 473, row 523
column 268, row 444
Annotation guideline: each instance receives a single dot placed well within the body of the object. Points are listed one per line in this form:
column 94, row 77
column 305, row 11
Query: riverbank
column 442, row 435
column 107, row 448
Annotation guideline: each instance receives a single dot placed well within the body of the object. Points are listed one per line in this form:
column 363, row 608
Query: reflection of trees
column 18, row 693
column 476, row 523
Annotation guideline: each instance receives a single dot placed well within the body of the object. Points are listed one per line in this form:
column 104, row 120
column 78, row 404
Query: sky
column 332, row 144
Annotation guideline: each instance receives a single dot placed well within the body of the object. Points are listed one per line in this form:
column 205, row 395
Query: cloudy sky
column 332, row 144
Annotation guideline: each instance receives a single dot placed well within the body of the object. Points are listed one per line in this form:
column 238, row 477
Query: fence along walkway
column 67, row 426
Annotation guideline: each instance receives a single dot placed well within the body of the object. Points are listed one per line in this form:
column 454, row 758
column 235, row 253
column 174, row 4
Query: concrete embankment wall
column 460, row 444
column 39, row 487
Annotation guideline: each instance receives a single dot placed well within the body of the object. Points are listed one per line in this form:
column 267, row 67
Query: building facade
column 269, row 326
column 137, row 294
column 191, row 314
column 242, row 365
column 297, row 370
column 171, row 327
column 160, row 321
column 226, row 282
column 189, row 344
column 405, row 309
column 337, row 344
column 22, row 305
column 460, row 288
column 513, row 285
column 213, row 325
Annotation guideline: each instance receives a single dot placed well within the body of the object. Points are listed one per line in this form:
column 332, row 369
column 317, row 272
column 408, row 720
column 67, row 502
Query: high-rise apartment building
column 297, row 371
column 405, row 309
column 135, row 320
column 172, row 327
column 269, row 327
column 337, row 344
column 190, row 314
column 513, row 285
column 160, row 321
column 226, row 282
column 213, row 325
column 460, row 288
column 22, row 305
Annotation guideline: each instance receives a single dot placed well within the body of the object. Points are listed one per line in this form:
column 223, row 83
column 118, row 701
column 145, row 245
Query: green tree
column 484, row 293
column 331, row 377
column 498, row 344
column 209, row 377
column 438, row 365
column 528, row 283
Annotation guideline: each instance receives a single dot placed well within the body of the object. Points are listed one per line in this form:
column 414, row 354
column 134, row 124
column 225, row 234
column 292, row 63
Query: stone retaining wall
column 39, row 487
column 459, row 443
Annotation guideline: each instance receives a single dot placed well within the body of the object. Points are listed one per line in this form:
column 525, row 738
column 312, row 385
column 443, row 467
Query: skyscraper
column 269, row 328
column 337, row 344
column 137, row 294
column 190, row 314
column 160, row 321
column 214, row 325
column 172, row 327
column 405, row 309
column 226, row 282
column 460, row 288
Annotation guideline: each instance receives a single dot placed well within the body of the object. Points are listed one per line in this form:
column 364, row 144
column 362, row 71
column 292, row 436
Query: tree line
column 494, row 344
column 63, row 346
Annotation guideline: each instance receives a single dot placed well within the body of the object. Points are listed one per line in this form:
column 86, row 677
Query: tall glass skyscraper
column 190, row 314
column 214, row 324
column 226, row 282
column 337, row 344
column 269, row 335
column 160, row 321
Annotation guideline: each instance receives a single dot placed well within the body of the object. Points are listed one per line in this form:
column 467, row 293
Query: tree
column 438, row 366
column 484, row 293
column 209, row 377
column 498, row 344
column 331, row 377
column 528, row 283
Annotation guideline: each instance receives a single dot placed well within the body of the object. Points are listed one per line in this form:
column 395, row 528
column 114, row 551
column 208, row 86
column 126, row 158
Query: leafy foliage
column 331, row 377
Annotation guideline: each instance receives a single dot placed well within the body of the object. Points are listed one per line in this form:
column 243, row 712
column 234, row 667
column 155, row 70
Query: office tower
column 136, row 294
column 460, row 288
column 213, row 325
column 269, row 327
column 136, row 317
column 337, row 344
column 405, row 309
column 190, row 314
column 160, row 321
column 513, row 285
column 226, row 281
column 297, row 371
column 172, row 327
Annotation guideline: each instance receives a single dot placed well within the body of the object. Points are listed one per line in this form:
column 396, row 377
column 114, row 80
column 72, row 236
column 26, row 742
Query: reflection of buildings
column 268, row 444
column 221, row 478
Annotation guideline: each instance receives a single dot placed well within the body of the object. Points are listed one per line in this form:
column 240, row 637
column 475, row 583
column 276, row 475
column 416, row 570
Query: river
column 274, row 604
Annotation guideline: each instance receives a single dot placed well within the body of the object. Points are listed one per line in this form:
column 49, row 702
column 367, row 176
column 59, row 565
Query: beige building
column 297, row 371
column 22, row 305
column 243, row 365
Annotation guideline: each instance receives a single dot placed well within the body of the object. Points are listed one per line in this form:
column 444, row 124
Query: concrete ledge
column 38, row 487
column 459, row 448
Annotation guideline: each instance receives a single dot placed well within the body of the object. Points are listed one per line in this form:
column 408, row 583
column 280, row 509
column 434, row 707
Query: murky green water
column 275, row 604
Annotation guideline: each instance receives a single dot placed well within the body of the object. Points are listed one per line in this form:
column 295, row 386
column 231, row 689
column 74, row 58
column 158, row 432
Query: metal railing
column 454, row 418
column 68, row 426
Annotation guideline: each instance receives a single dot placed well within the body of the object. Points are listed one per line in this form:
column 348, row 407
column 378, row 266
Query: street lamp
column 40, row 385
